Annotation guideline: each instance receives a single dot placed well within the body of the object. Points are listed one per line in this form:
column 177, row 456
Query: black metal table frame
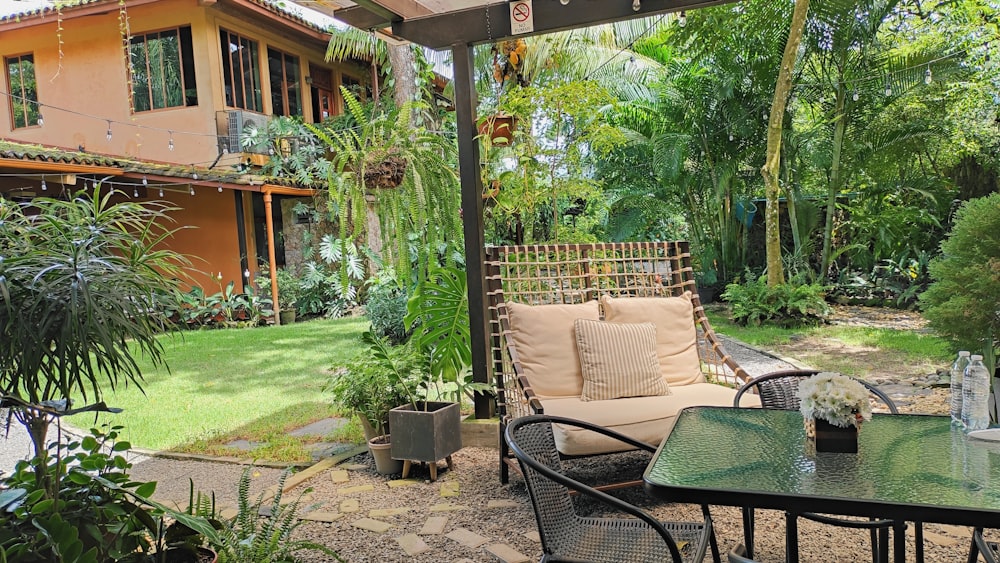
column 793, row 504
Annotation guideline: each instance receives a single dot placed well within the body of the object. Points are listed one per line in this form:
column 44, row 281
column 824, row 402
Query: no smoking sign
column 522, row 20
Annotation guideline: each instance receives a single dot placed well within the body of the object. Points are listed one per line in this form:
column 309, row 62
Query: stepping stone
column 468, row 538
column 447, row 507
column 228, row 513
column 434, row 526
column 322, row 450
column 350, row 505
column 397, row 483
column 288, row 499
column 319, row 428
column 507, row 554
column 449, row 489
column 383, row 512
column 354, row 466
column 371, row 525
column 503, row 503
column 412, row 544
column 358, row 489
column 941, row 539
column 340, row 476
column 533, row 536
column 320, row 516
column 464, row 560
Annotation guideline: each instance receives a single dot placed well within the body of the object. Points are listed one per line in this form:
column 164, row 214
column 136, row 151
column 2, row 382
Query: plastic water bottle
column 975, row 394
column 957, row 372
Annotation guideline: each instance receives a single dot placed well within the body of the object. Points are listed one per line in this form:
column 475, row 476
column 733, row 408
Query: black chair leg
column 899, row 541
column 974, row 549
column 791, row 538
column 876, row 546
column 918, row 535
column 883, row 545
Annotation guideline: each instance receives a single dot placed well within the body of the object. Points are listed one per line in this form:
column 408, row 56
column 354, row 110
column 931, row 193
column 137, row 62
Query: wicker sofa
column 544, row 299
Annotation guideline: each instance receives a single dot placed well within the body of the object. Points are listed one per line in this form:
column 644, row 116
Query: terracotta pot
column 380, row 449
column 500, row 129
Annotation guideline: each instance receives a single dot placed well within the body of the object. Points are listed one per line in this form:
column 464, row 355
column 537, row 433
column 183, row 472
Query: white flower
column 835, row 398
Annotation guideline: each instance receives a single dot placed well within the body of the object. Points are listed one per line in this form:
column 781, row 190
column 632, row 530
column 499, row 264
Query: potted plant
column 371, row 385
column 289, row 292
column 833, row 407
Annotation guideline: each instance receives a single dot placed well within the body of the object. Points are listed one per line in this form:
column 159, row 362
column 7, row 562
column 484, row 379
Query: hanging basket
column 499, row 128
column 385, row 174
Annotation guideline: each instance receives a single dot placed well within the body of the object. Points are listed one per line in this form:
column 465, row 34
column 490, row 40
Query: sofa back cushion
column 676, row 338
column 618, row 360
column 545, row 339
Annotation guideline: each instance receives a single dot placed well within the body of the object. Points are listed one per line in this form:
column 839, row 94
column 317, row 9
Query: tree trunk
column 772, row 164
column 836, row 179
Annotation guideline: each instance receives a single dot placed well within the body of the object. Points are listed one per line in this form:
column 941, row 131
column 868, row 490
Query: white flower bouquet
column 837, row 399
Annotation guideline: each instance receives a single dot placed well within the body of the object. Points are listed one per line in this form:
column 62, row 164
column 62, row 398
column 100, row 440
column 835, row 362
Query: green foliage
column 225, row 309
column 261, row 531
column 754, row 303
column 961, row 303
column 441, row 307
column 289, row 289
column 295, row 152
column 98, row 513
column 386, row 309
column 375, row 381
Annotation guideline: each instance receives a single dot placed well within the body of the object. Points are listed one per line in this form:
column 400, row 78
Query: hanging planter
column 499, row 128
column 385, row 174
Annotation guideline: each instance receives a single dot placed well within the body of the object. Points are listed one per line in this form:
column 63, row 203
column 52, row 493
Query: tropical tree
column 80, row 283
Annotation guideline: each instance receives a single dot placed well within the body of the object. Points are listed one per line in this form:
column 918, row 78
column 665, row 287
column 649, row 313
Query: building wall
column 209, row 236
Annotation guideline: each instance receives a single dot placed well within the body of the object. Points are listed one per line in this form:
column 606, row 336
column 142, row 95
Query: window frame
column 282, row 88
column 229, row 78
column 20, row 101
column 186, row 70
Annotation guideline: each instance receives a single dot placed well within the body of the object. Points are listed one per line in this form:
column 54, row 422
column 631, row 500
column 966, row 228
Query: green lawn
column 234, row 383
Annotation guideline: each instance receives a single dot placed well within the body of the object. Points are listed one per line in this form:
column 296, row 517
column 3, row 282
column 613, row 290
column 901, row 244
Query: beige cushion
column 644, row 418
column 545, row 340
column 676, row 339
column 618, row 360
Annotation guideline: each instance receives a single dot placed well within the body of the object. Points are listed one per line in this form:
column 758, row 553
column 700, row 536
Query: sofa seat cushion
column 643, row 418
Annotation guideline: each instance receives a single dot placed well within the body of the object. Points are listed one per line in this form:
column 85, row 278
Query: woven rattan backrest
column 574, row 273
column 779, row 390
column 553, row 505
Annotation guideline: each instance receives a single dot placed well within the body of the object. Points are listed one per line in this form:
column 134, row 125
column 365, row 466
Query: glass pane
column 187, row 63
column 21, row 79
column 172, row 85
column 140, row 74
column 154, row 50
column 276, row 73
column 293, row 85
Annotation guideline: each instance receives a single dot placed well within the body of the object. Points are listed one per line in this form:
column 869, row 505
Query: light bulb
column 928, row 77
column 109, row 131
column 888, row 89
column 170, row 143
column 145, row 182
column 855, row 96
column 161, row 192
column 766, row 116
column 636, row 5
column 41, row 121
column 220, row 188
column 135, row 192
column 564, row 2
column 44, row 187
column 192, row 190
column 246, row 273
column 682, row 20
column 731, row 137
column 195, row 175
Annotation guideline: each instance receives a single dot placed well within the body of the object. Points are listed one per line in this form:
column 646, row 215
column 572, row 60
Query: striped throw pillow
column 618, row 360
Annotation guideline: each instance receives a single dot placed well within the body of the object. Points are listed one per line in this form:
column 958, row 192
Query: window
column 241, row 71
column 162, row 66
column 23, row 90
column 286, row 93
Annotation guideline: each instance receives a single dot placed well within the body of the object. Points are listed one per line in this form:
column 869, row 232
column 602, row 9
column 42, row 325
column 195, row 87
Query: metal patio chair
column 568, row 536
column 738, row 554
column 990, row 550
column 777, row 390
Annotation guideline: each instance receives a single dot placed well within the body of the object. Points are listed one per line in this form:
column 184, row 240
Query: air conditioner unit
column 236, row 125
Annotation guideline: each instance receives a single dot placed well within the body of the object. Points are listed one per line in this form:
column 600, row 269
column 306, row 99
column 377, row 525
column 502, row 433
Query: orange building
column 153, row 98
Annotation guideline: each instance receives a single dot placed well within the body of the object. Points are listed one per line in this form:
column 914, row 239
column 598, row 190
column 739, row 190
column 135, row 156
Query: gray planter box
column 425, row 435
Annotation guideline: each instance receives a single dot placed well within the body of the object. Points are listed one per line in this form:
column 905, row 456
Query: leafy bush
column 754, row 303
column 891, row 283
column 386, row 308
column 961, row 304
column 227, row 308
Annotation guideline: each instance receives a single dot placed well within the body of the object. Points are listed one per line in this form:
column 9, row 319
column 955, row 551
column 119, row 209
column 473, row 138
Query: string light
column 194, row 175
column 928, row 77
column 855, row 96
column 135, row 192
column 682, row 20
column 44, row 187
column 564, row 2
column 109, row 130
column 192, row 190
column 220, row 188
column 731, row 137
column 636, row 5
column 40, row 121
column 145, row 182
column 170, row 143
column 161, row 192
column 888, row 88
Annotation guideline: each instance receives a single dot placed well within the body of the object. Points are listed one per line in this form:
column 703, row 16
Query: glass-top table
column 908, row 468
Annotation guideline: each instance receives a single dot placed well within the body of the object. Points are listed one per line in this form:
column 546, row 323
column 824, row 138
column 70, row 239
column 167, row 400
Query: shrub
column 755, row 303
column 961, row 304
column 386, row 308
